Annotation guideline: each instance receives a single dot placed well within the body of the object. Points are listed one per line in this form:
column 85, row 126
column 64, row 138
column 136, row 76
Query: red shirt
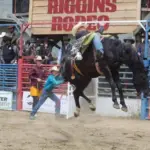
column 37, row 72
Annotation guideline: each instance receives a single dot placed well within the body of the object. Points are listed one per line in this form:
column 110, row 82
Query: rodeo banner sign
column 62, row 15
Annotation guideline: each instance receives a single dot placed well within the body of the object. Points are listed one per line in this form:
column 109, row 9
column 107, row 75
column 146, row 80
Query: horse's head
column 135, row 63
column 65, row 68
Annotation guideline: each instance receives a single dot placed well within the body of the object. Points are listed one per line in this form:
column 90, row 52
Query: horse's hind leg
column 116, row 78
column 109, row 78
column 91, row 105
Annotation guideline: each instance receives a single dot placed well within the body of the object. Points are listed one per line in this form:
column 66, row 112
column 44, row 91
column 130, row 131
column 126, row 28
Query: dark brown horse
column 116, row 53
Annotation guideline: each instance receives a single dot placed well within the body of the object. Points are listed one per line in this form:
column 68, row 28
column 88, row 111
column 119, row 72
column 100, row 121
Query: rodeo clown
column 81, row 30
column 53, row 80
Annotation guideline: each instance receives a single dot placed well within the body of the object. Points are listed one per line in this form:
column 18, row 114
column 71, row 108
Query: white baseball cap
column 54, row 68
column 38, row 58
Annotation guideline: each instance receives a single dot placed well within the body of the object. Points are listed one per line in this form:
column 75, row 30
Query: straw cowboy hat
column 77, row 27
column 54, row 68
column 38, row 58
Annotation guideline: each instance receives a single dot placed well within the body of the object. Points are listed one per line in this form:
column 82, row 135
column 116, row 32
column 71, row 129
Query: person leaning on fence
column 36, row 76
column 53, row 80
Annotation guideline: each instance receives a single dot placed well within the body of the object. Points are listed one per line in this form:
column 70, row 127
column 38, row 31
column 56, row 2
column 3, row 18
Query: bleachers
column 129, row 91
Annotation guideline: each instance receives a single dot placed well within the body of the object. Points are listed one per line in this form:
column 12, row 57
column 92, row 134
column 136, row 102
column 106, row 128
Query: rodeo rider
column 80, row 30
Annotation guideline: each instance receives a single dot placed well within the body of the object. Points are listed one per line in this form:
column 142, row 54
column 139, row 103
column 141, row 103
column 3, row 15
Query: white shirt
column 59, row 56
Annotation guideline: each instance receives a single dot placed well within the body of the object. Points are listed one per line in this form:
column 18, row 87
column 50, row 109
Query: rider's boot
column 99, row 57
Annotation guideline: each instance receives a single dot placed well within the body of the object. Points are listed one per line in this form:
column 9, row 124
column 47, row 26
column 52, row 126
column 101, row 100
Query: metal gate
column 8, row 80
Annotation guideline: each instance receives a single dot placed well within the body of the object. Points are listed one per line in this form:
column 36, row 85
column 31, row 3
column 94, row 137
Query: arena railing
column 126, row 75
column 8, row 82
column 24, row 81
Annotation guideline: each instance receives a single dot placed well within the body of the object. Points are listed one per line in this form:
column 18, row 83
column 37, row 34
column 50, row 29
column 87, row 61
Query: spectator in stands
column 42, row 48
column 140, row 46
column 8, row 51
column 52, row 82
column 129, row 40
column 14, row 34
column 59, row 56
column 36, row 76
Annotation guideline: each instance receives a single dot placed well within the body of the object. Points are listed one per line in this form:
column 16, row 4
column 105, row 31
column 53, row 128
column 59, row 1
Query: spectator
column 140, row 46
column 36, row 76
column 14, row 34
column 8, row 52
column 59, row 56
column 32, row 48
column 42, row 48
column 129, row 40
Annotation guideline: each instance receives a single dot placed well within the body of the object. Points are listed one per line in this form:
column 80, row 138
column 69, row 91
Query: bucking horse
column 80, row 72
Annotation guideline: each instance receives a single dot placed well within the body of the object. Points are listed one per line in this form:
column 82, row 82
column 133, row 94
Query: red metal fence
column 24, row 82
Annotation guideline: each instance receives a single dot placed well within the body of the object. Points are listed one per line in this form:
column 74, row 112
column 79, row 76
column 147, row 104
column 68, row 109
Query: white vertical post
column 70, row 99
column 96, row 93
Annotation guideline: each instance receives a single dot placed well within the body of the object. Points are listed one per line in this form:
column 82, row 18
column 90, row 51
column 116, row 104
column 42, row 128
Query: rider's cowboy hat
column 38, row 58
column 54, row 68
column 77, row 27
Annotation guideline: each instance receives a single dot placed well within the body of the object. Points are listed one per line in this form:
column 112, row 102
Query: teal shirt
column 52, row 82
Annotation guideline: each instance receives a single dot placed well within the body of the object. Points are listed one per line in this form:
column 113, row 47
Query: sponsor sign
column 48, row 106
column 6, row 100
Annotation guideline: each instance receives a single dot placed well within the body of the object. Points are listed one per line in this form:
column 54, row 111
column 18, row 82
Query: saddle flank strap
column 77, row 69
column 72, row 69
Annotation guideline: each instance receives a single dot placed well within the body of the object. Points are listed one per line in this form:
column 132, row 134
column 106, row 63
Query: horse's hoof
column 76, row 114
column 125, row 109
column 92, row 107
column 116, row 106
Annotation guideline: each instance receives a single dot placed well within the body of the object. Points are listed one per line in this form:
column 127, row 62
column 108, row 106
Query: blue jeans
column 43, row 98
column 97, row 43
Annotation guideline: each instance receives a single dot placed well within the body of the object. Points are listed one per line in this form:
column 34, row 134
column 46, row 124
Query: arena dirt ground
column 89, row 132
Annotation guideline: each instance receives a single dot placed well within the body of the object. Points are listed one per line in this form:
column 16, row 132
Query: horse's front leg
column 116, row 78
column 109, row 78
column 76, row 94
column 91, row 105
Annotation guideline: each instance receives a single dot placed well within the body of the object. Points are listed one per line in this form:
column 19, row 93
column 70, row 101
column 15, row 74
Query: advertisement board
column 6, row 99
column 48, row 106
column 62, row 15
